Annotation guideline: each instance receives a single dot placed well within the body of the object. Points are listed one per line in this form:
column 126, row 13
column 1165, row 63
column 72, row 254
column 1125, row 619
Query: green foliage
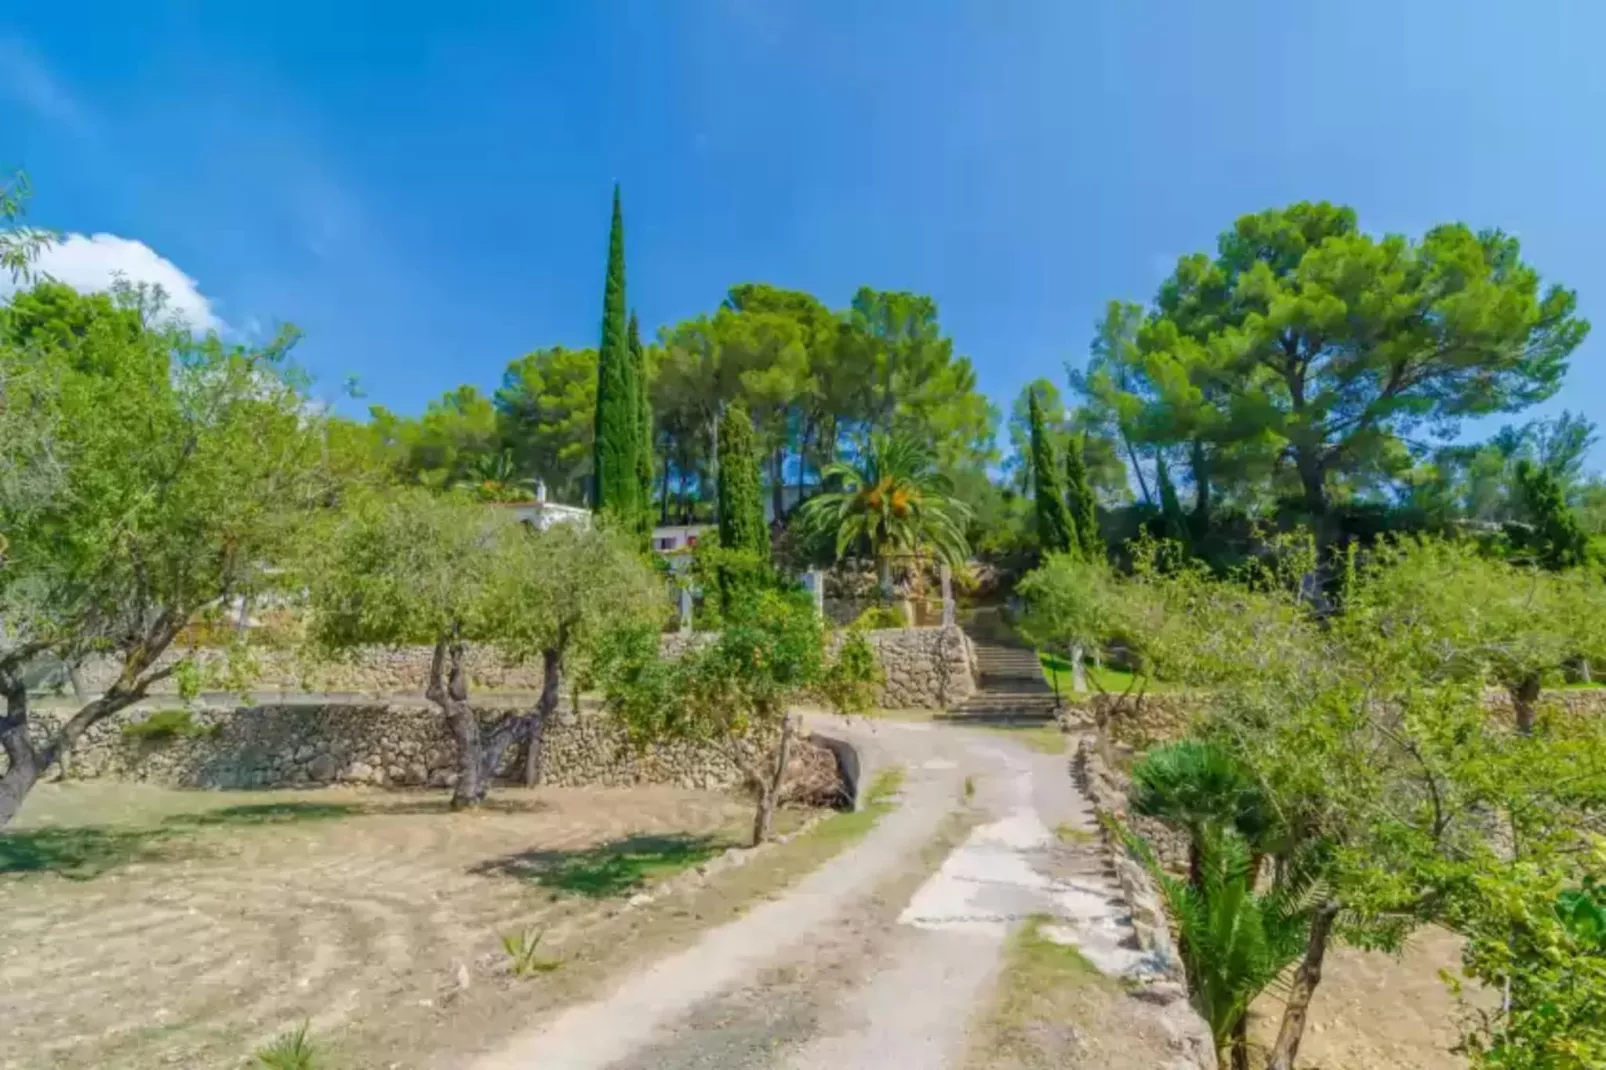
column 547, row 410
column 879, row 617
column 1173, row 525
column 618, row 416
column 644, row 431
column 165, row 725
column 741, row 502
column 20, row 245
column 1200, row 787
column 851, row 675
column 1234, row 942
column 457, row 433
column 892, row 502
column 523, row 950
column 406, row 566
column 1072, row 603
column 1308, row 339
column 1080, row 501
column 1555, row 540
column 1056, row 528
column 293, row 1050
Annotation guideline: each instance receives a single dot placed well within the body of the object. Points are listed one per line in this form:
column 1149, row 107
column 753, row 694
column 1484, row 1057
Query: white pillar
column 948, row 615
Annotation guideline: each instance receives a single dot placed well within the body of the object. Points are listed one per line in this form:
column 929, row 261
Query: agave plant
column 893, row 501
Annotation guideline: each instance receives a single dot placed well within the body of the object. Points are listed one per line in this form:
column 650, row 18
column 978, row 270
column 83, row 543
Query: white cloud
column 92, row 264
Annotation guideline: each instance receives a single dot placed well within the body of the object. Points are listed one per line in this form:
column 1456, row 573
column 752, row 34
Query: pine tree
column 644, row 457
column 1056, row 530
column 1556, row 540
column 1172, row 524
column 618, row 416
column 741, row 499
column 1084, row 507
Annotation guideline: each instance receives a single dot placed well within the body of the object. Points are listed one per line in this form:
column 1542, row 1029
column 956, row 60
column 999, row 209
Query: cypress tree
column 1056, row 530
column 1084, row 508
column 618, row 415
column 741, row 498
column 644, row 458
column 1556, row 539
column 1172, row 525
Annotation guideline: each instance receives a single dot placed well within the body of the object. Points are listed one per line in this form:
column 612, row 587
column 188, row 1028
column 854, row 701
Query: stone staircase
column 1009, row 682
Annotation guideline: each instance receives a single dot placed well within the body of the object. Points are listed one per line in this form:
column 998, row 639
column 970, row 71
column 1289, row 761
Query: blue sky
column 423, row 188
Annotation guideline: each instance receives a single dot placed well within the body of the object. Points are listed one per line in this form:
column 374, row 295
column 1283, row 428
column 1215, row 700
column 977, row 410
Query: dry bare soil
column 142, row 928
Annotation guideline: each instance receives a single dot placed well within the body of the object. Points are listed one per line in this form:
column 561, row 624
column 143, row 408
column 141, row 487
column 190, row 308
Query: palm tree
column 892, row 501
column 1233, row 941
column 1195, row 786
column 494, row 478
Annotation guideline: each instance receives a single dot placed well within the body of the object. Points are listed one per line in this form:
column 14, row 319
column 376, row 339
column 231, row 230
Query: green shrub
column 879, row 617
column 164, row 726
column 849, row 681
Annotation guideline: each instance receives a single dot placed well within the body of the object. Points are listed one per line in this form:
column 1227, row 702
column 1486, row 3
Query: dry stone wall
column 925, row 668
column 380, row 745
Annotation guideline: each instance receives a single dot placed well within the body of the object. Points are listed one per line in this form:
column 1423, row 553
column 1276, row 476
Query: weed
column 523, row 952
column 887, row 784
column 164, row 726
column 293, row 1050
column 1073, row 835
column 970, row 788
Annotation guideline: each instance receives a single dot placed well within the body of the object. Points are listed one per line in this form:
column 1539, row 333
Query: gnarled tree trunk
column 769, row 788
column 448, row 690
column 551, row 689
column 1306, row 979
column 1524, row 701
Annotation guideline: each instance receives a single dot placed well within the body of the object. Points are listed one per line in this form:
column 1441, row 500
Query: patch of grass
column 970, row 788
column 285, row 813
column 1072, row 835
column 1042, row 738
column 165, row 726
column 612, row 869
column 524, row 954
column 75, row 853
column 842, row 829
column 1057, row 671
column 1046, row 993
column 290, row 1051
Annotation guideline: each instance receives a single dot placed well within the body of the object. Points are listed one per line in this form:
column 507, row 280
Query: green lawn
column 1057, row 671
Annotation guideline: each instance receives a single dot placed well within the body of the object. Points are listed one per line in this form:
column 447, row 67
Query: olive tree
column 171, row 478
column 1072, row 606
column 1387, row 784
column 1454, row 612
column 731, row 694
column 570, row 587
column 407, row 566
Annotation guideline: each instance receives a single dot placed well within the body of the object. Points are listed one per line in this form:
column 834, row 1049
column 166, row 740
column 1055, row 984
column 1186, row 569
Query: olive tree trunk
column 448, row 690
column 551, row 690
column 769, row 788
column 1524, row 701
column 1308, row 976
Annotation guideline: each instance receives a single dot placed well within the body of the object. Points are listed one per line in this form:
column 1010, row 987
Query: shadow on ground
column 610, row 869
column 87, row 851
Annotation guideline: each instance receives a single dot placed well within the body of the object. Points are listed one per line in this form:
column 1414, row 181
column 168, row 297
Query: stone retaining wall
column 1107, row 789
column 925, row 668
column 290, row 745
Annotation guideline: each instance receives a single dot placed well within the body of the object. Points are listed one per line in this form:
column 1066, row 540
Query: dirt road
column 885, row 956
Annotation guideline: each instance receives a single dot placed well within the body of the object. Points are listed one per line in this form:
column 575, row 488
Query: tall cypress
column 644, row 458
column 1056, row 530
column 618, row 410
column 741, row 496
column 1084, row 508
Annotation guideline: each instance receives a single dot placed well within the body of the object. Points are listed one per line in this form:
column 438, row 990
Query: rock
column 322, row 768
